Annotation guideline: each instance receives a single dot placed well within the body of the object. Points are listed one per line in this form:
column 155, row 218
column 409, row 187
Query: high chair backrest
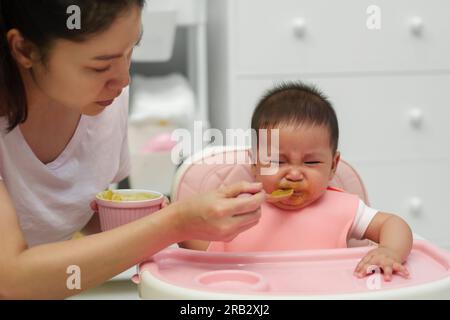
column 221, row 166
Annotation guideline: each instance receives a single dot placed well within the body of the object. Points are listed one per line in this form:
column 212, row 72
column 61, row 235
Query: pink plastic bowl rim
column 132, row 204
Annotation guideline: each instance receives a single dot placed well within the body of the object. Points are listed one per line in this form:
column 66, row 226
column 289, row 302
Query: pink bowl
column 113, row 214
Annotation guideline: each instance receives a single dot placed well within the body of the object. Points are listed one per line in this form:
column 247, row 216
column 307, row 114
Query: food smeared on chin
column 282, row 193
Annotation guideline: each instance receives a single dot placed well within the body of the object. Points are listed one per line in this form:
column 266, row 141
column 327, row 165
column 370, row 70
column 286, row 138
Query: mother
column 63, row 138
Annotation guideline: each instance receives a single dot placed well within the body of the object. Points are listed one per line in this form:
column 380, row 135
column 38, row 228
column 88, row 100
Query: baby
column 309, row 214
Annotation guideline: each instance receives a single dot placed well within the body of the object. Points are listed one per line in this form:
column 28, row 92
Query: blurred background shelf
column 169, row 88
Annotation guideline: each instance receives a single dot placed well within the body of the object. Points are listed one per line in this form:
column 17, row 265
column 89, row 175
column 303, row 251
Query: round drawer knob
column 416, row 117
column 299, row 25
column 416, row 25
column 415, row 206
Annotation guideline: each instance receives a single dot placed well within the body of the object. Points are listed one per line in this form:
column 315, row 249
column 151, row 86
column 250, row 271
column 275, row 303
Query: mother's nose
column 121, row 78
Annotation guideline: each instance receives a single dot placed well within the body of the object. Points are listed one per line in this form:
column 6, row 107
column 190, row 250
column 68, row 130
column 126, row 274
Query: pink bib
column 322, row 225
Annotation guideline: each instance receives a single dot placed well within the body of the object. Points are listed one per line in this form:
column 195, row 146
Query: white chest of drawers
column 390, row 87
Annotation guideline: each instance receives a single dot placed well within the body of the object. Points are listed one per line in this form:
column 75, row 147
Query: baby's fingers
column 387, row 271
column 361, row 268
column 368, row 268
column 401, row 269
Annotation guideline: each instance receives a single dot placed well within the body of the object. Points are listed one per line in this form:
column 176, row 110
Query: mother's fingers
column 247, row 218
column 241, row 187
column 240, row 223
column 94, row 205
column 165, row 203
column 243, row 205
column 250, row 223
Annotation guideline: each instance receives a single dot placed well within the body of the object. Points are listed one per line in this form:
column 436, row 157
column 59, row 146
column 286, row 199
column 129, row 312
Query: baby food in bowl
column 119, row 207
column 127, row 195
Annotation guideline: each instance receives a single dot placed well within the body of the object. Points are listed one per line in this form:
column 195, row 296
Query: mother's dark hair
column 42, row 22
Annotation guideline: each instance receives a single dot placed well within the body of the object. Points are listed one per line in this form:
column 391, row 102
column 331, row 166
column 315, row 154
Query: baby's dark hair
column 295, row 104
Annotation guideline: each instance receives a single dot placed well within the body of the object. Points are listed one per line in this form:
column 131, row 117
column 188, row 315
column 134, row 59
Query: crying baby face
column 305, row 165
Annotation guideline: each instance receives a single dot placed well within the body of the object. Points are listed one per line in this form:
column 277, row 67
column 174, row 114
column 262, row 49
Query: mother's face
column 89, row 75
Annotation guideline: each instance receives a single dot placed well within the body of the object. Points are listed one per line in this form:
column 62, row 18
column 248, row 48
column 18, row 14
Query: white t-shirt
column 362, row 220
column 52, row 201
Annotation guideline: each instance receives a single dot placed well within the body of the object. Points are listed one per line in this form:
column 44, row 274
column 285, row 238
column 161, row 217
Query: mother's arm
column 93, row 226
column 41, row 272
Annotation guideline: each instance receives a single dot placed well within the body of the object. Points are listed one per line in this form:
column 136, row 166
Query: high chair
column 176, row 273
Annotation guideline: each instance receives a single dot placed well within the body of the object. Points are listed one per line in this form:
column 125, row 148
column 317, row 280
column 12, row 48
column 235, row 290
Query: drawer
column 380, row 118
column 417, row 191
column 336, row 37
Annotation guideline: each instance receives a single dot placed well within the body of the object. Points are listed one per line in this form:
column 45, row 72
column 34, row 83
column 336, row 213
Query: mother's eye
column 101, row 70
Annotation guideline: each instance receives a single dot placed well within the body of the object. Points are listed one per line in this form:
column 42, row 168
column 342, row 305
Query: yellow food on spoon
column 282, row 192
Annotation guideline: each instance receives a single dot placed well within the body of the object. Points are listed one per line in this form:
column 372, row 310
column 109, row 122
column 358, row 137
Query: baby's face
column 306, row 164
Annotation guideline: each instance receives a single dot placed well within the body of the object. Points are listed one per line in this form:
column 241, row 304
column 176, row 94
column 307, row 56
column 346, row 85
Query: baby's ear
column 336, row 158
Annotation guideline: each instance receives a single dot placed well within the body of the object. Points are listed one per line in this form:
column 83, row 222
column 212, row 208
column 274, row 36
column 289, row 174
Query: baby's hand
column 386, row 259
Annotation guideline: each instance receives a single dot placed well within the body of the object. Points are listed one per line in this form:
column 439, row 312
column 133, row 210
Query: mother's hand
column 220, row 215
